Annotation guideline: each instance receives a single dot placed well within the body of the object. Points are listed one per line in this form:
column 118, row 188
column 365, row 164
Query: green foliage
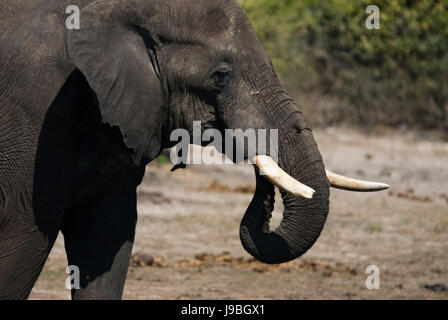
column 396, row 76
column 162, row 159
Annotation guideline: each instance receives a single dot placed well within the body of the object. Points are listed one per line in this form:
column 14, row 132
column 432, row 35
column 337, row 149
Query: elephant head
column 158, row 65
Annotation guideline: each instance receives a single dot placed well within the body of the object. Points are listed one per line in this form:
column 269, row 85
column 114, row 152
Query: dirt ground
column 187, row 244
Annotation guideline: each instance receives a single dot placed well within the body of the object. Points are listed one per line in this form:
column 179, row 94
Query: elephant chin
column 303, row 219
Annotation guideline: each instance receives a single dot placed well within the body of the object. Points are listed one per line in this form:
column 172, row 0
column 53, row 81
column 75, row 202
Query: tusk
column 278, row 177
column 350, row 184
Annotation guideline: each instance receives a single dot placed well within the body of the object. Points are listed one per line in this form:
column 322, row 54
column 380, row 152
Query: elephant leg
column 24, row 248
column 99, row 234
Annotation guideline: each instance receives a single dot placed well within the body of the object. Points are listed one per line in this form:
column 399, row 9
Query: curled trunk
column 303, row 219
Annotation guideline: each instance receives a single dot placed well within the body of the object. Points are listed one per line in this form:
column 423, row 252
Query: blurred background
column 342, row 73
column 377, row 100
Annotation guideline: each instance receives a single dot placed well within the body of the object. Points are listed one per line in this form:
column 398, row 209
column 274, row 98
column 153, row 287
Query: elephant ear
column 115, row 60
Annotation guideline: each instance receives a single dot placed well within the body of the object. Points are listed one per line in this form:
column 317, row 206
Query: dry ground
column 187, row 244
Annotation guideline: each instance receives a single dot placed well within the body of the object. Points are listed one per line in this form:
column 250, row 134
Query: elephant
column 84, row 110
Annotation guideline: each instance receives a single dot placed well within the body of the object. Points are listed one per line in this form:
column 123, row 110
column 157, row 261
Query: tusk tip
column 383, row 186
column 350, row 184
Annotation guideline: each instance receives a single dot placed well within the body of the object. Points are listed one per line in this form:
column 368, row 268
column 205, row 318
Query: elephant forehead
column 192, row 19
column 215, row 22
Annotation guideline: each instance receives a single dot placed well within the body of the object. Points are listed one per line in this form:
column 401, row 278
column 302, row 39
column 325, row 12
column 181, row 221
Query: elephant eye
column 222, row 77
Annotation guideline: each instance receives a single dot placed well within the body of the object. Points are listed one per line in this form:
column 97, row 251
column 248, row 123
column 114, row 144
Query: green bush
column 341, row 72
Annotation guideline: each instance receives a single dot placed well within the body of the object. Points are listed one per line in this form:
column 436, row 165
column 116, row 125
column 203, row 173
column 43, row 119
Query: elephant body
column 82, row 112
column 61, row 168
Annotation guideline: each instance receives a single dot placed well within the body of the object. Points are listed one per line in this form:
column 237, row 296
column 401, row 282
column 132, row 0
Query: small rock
column 141, row 259
column 436, row 287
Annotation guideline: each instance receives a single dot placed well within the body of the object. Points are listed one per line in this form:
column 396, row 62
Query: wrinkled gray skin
column 83, row 112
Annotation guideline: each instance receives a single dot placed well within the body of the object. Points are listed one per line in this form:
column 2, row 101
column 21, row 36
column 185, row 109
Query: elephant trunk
column 303, row 219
